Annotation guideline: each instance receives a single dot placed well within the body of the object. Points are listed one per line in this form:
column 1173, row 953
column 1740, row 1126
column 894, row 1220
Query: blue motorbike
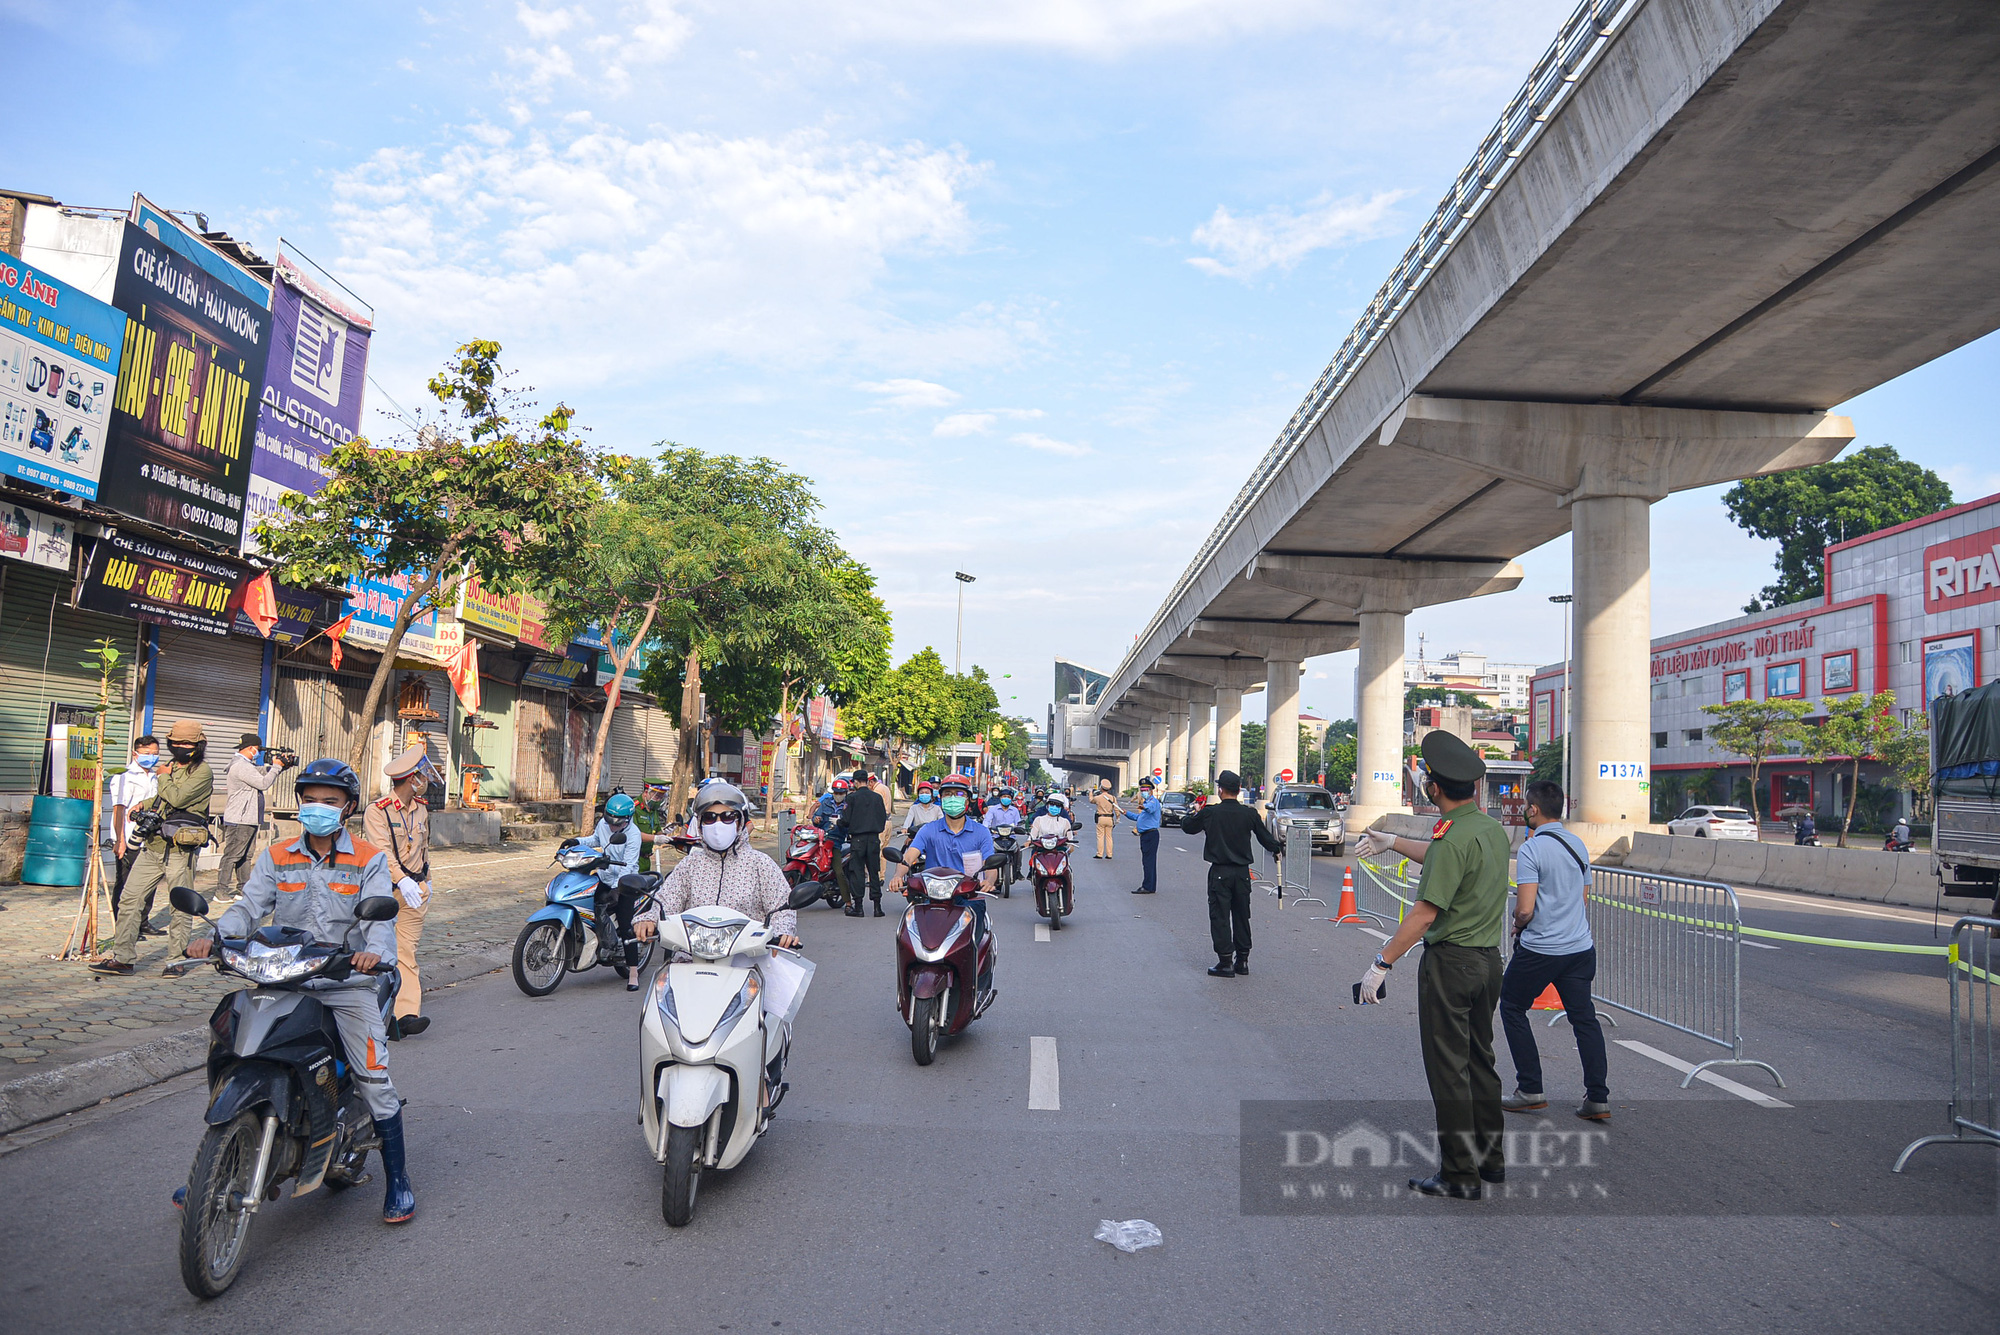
column 562, row 936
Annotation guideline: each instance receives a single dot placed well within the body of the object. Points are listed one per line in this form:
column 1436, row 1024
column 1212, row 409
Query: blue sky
column 1025, row 286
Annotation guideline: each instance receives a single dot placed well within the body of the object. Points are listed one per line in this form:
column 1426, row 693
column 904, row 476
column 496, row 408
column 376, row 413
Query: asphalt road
column 890, row 1197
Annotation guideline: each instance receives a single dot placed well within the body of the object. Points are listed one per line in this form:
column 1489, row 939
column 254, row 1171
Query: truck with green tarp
column 1965, row 765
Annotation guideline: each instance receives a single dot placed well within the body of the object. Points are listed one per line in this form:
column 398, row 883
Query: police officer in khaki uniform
column 400, row 825
column 1460, row 903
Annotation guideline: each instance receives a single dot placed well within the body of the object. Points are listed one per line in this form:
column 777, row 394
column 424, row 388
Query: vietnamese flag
column 260, row 604
column 334, row 634
column 463, row 669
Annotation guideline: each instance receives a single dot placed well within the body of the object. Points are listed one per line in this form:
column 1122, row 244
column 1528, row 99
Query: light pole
column 958, row 653
column 1565, row 599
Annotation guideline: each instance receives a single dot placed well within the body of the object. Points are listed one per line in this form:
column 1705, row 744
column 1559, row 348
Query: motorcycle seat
column 641, row 883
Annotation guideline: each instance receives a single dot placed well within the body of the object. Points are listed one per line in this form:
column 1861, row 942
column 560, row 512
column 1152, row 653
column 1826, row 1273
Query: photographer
column 173, row 828
column 243, row 788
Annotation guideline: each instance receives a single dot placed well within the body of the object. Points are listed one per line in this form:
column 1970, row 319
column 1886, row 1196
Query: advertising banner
column 573, row 669
column 143, row 580
column 298, row 610
column 373, row 603
column 59, row 355
column 197, row 331
column 37, row 538
column 313, row 378
column 489, row 611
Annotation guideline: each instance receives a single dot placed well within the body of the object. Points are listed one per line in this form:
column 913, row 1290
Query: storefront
column 43, row 645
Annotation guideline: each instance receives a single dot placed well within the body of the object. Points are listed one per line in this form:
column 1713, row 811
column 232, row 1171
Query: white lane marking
column 1379, row 936
column 1724, row 936
column 1756, row 1096
column 1041, row 931
column 1815, row 904
column 1044, row 1079
column 1179, row 849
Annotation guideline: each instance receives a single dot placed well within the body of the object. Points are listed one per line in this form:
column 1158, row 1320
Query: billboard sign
column 313, row 379
column 37, row 538
column 143, row 580
column 197, row 331
column 572, row 669
column 477, row 606
column 59, row 354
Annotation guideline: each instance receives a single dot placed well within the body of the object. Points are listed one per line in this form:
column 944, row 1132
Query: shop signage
column 37, row 538
column 297, row 610
column 572, row 669
column 372, row 602
column 182, row 426
column 1962, row 571
column 484, row 610
column 59, row 354
column 1722, row 653
column 147, row 581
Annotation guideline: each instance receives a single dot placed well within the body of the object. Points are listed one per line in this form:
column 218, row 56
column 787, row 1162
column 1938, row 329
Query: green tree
column 1808, row 509
column 1341, row 757
column 1252, row 754
column 1439, row 695
column 1548, row 766
column 1907, row 753
column 915, row 702
column 475, row 487
column 1757, row 730
column 1856, row 727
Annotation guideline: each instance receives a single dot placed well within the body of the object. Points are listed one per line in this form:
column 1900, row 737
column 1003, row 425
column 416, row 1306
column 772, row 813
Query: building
column 1504, row 686
column 1913, row 610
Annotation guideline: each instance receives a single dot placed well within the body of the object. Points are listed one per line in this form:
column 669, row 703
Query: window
column 1659, row 741
column 1310, row 799
column 1693, row 735
column 1691, row 685
column 1783, row 680
column 1735, row 686
column 1909, row 651
column 1660, row 689
column 1837, row 673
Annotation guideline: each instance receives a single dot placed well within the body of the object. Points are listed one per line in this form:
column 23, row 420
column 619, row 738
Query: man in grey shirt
column 244, row 787
column 1552, row 948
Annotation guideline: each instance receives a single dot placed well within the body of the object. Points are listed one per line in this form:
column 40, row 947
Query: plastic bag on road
column 1128, row 1235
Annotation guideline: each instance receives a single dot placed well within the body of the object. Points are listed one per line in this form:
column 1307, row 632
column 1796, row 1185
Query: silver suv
column 1310, row 805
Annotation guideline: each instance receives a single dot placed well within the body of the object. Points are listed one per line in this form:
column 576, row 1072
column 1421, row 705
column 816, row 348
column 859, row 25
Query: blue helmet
column 329, row 773
column 620, row 807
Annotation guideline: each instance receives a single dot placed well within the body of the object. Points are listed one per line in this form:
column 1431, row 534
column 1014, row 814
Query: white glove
column 1371, row 985
column 1374, row 843
column 413, row 894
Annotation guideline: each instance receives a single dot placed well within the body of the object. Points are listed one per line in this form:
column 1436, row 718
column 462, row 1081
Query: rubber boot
column 398, row 1201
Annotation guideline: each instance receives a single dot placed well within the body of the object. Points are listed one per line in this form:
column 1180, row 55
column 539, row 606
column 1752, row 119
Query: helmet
column 720, row 791
column 923, row 784
column 954, row 781
column 331, row 774
column 620, row 807
column 838, row 785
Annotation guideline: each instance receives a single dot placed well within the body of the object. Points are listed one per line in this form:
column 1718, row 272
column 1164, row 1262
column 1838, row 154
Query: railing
column 1974, row 1117
column 1582, row 38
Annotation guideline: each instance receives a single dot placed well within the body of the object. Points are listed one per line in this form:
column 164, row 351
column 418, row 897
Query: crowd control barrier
column 1297, row 869
column 1975, row 1101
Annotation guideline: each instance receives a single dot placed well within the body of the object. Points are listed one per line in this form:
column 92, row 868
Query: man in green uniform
column 1460, row 902
column 167, row 856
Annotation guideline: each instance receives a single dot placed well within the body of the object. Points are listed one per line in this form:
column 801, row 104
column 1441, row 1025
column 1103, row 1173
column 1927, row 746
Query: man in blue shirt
column 1147, row 822
column 1552, row 945
column 955, row 843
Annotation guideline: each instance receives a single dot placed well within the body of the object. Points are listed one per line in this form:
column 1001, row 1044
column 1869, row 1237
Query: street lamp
column 958, row 653
column 1569, row 714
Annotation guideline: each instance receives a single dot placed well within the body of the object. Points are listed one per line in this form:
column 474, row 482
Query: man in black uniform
column 1228, row 826
column 865, row 819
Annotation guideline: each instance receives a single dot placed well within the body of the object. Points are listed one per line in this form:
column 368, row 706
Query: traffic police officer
column 1460, row 903
column 400, row 825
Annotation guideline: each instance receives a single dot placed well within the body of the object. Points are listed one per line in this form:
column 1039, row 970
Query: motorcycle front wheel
column 1055, row 914
column 539, row 962
column 926, row 1020
column 215, row 1218
column 683, row 1175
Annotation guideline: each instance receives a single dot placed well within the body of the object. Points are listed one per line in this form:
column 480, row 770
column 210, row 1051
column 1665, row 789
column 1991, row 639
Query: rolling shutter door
column 315, row 714
column 218, row 681
column 538, row 745
column 662, row 740
column 42, row 646
column 579, row 731
column 625, row 753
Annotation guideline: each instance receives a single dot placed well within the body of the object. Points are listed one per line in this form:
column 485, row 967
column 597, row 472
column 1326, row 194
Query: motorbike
column 1048, row 868
column 811, row 858
column 283, row 1102
column 712, row 1055
column 1007, row 844
column 938, row 967
column 561, row 937
column 1892, row 844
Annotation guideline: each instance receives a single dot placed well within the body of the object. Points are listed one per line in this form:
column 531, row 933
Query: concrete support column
column 1177, row 747
column 1378, row 726
column 1228, row 729
column 1281, row 719
column 1198, row 752
column 1611, row 578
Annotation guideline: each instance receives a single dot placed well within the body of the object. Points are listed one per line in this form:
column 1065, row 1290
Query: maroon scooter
column 1048, row 868
column 938, row 965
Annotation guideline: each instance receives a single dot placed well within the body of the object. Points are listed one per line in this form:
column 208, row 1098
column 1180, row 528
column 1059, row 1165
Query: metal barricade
column 1670, row 949
column 1298, row 865
column 1975, row 1100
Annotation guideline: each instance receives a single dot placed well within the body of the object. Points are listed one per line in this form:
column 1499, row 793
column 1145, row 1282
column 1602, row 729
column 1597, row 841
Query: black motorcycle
column 1007, row 841
column 282, row 1100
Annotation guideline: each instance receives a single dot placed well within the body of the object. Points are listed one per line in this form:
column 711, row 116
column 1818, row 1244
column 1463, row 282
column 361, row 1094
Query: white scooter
column 713, row 1043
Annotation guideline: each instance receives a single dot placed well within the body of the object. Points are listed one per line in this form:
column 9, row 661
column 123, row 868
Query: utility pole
column 958, row 653
column 1569, row 713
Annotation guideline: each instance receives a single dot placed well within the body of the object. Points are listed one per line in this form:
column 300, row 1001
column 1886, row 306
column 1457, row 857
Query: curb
column 66, row 1089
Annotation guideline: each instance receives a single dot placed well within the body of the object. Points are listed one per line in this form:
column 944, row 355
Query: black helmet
column 328, row 773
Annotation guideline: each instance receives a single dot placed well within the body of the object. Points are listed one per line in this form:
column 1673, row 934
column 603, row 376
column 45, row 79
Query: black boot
column 399, row 1203
column 878, row 907
column 1242, row 964
column 853, row 910
column 1222, row 968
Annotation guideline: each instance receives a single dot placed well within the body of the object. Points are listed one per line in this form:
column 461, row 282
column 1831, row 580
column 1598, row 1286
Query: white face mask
column 718, row 836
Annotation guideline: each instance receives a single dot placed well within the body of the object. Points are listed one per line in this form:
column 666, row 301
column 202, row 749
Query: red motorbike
column 939, row 967
column 810, row 858
column 1048, row 868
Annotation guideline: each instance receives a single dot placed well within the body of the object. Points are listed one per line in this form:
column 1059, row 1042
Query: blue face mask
column 924, row 798
column 1055, row 808
column 318, row 818
column 145, row 762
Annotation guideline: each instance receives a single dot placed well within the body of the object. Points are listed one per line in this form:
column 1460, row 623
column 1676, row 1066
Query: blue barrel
column 59, row 842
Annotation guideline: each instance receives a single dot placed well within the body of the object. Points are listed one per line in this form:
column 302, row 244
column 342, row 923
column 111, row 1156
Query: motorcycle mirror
column 806, row 892
column 997, row 860
column 188, row 901
column 375, row 908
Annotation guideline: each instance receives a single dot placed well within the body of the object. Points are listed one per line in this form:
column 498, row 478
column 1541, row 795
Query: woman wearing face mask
column 922, row 811
column 620, row 840
column 724, row 870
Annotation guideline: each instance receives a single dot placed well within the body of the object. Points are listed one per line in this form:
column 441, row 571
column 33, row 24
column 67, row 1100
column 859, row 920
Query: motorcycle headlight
column 711, row 942
column 663, row 999
column 743, row 1001
column 940, row 887
column 272, row 964
column 574, row 859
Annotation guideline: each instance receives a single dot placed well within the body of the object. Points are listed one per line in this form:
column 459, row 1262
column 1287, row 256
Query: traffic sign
column 1284, row 776
column 1157, row 771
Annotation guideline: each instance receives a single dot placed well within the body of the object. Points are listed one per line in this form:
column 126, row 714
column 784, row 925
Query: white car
column 1714, row 823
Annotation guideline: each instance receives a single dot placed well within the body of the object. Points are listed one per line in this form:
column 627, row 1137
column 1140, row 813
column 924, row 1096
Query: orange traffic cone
column 1347, row 912
column 1548, row 1001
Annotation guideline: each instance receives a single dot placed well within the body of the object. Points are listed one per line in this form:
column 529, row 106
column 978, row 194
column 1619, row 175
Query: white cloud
column 604, row 254
column 1093, row 26
column 545, row 23
column 965, row 424
column 1034, row 440
column 912, row 393
column 1282, row 237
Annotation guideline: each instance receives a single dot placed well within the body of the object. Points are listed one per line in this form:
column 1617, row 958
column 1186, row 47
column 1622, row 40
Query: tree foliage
column 1856, row 727
column 1907, row 753
column 1757, row 730
column 1809, row 509
column 482, row 484
column 1340, row 761
column 1548, row 763
column 1251, row 753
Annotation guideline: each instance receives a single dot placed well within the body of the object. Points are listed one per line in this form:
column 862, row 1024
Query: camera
column 284, row 755
column 147, row 824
